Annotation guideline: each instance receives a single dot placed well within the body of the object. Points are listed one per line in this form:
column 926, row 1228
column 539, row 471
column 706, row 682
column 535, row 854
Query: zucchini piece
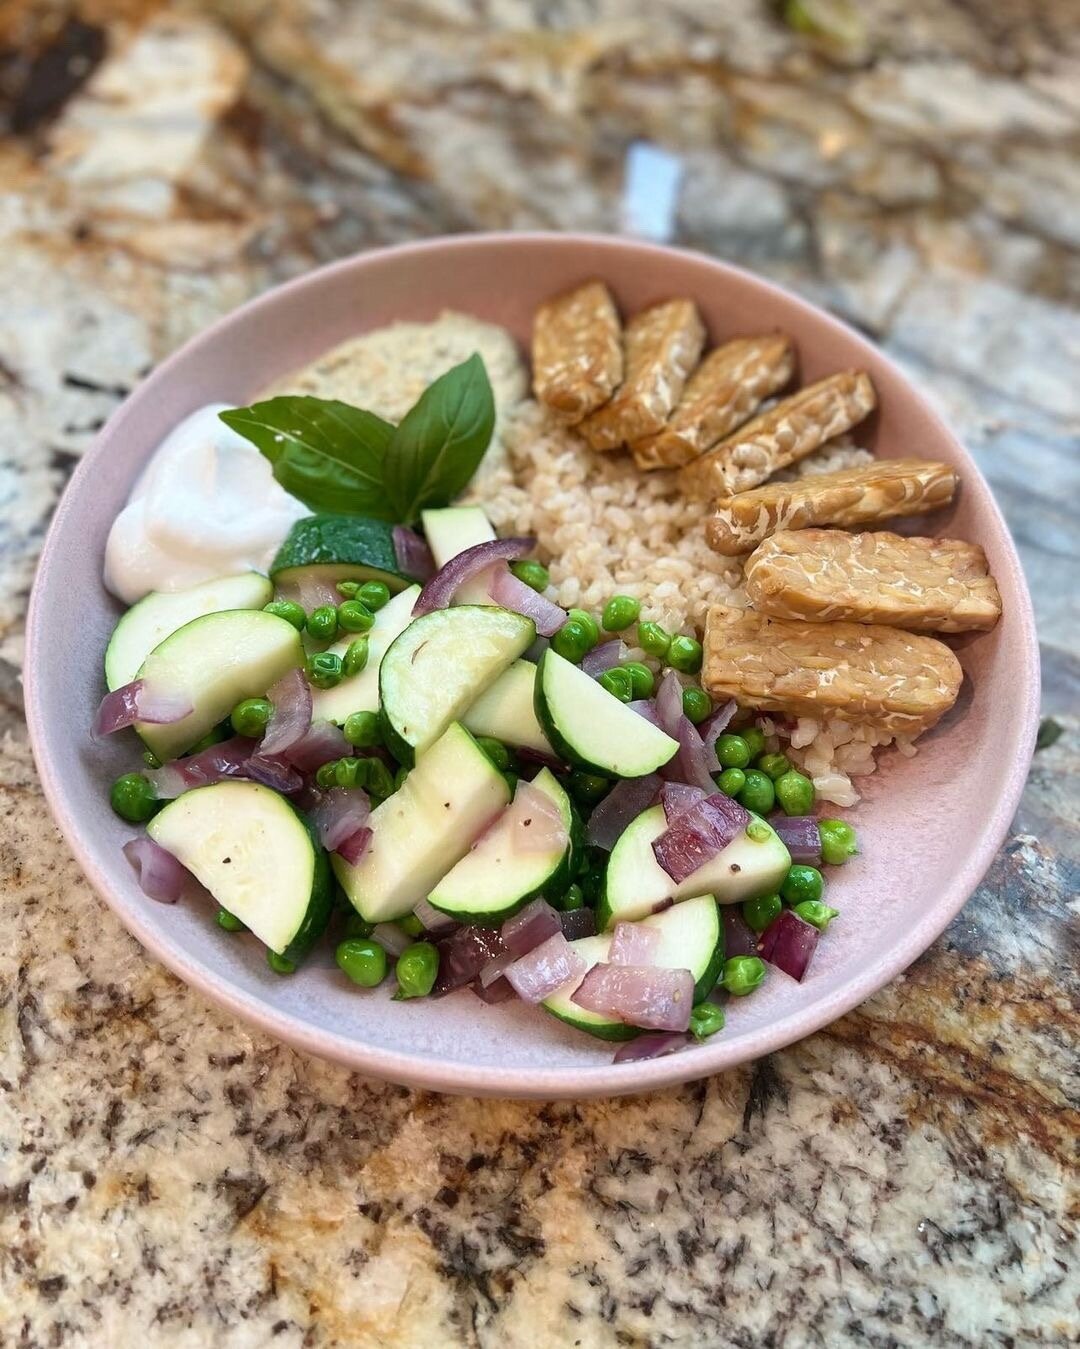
column 495, row 878
column 635, row 882
column 450, row 531
column 215, row 662
column 334, row 548
column 589, row 727
column 425, row 828
column 506, row 712
column 159, row 614
column 439, row 666
column 360, row 693
column 256, row 856
column 692, row 938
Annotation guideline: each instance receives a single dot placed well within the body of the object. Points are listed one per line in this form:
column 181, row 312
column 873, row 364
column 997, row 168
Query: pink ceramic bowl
column 929, row 826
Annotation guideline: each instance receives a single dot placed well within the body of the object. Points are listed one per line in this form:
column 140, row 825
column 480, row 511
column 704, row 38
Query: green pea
column 572, row 641
column 534, row 574
column 355, row 657
column 496, row 752
column 574, row 898
column 696, row 703
column 758, row 793
column 228, row 922
column 355, row 926
column 774, row 765
column 363, row 729
column 653, row 640
column 352, row 616
column 511, row 779
column 348, row 590
column 619, row 612
column 417, row 968
column 289, row 610
column 760, row 912
column 755, row 740
column 815, row 912
column 795, row 792
column 325, row 669
column 838, row 841
column 326, row 775
column 375, row 594
column 742, row 974
column 361, row 961
column 685, row 654
column 705, row 1020
column 618, row 683
column 731, row 781
column 802, row 883
column 411, row 925
column 732, row 751
column 587, row 622
column 133, row 798
column 758, row 830
column 374, row 776
column 150, row 759
column 250, row 717
column 347, row 772
column 641, row 678
column 588, row 788
column 322, row 623
column 399, row 778
column 280, row 964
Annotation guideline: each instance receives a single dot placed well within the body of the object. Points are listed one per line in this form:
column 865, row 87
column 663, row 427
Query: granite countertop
column 905, row 1177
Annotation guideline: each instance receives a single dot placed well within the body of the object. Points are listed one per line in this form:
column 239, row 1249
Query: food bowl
column 929, row 825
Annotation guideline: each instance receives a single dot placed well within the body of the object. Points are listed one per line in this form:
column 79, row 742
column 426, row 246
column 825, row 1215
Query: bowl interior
column 923, row 851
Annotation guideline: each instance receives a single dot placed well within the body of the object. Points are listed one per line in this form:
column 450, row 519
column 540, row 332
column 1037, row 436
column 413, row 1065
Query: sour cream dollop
column 205, row 506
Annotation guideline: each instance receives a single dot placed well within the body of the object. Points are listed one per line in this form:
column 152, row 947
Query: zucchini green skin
column 352, row 547
column 321, row 904
column 562, row 749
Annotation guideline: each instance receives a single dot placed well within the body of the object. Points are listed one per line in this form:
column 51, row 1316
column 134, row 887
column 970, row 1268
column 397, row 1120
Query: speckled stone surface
column 906, row 1177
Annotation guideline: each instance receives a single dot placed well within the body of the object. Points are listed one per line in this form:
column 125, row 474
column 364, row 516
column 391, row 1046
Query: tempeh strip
column 897, row 681
column 792, row 429
column 726, row 390
column 577, row 351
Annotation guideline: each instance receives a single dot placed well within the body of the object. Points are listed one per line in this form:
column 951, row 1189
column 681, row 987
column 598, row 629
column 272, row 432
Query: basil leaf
column 326, row 453
column 440, row 441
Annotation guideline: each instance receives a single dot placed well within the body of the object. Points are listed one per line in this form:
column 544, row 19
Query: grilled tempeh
column 723, row 392
column 928, row 585
column 883, row 490
column 896, row 681
column 662, row 345
column 792, row 429
column 577, row 351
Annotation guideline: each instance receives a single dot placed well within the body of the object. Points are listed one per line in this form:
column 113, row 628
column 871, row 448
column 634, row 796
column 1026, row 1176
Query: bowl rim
column 415, row 1070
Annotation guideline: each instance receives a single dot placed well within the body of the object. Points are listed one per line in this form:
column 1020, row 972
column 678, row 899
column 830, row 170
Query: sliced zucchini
column 215, row 662
column 450, row 531
column 439, row 666
column 360, row 693
column 334, row 548
column 256, row 856
column 506, row 712
column 590, row 727
column 635, row 882
column 692, row 938
column 425, row 828
column 157, row 615
column 496, row 878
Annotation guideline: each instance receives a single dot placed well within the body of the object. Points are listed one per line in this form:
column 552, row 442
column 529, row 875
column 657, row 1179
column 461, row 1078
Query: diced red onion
column 340, row 813
column 526, row 930
column 634, row 944
column 138, row 701
column 495, row 969
column 535, row 822
column 693, row 761
column 739, row 937
column 310, row 592
column 606, row 656
column 497, row 992
column 789, row 943
column 463, row 954
column 544, row 969
column 713, row 727
column 625, row 802
column 578, row 923
column 273, row 773
column 391, row 938
column 668, row 702
column 638, row 995
column 679, row 797
column 439, row 592
column 436, row 924
column 799, row 834
column 645, row 707
column 699, row 834
column 650, row 1046
column 227, row 759
column 511, row 593
column 160, row 875
column 351, row 849
column 291, row 717
column 413, row 554
column 321, row 743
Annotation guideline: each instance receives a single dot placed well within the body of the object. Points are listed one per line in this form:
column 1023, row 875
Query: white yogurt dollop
column 205, row 506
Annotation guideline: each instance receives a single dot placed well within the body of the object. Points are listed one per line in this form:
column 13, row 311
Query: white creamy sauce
column 205, row 506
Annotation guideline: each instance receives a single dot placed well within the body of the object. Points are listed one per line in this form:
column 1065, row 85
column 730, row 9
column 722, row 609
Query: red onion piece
column 391, row 938
column 138, row 701
column 291, row 717
column 625, row 802
column 668, row 702
column 413, row 555
column 646, row 708
column 495, row 969
column 511, row 593
column 351, row 849
column 338, row 816
column 650, row 1046
column 320, row 743
column 537, row 825
column 799, row 834
column 633, row 944
column 544, row 969
column 534, row 924
column 678, row 797
column 463, row 954
column 713, row 727
column 578, row 923
column 227, row 759
column 160, row 875
column 694, row 760
column 639, row 995
column 438, row 593
column 739, row 937
column 789, row 943
column 606, row 656
column 273, row 773
column 436, row 924
column 699, row 834
column 497, row 992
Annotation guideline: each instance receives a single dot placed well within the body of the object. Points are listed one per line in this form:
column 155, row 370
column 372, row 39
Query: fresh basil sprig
column 334, row 457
